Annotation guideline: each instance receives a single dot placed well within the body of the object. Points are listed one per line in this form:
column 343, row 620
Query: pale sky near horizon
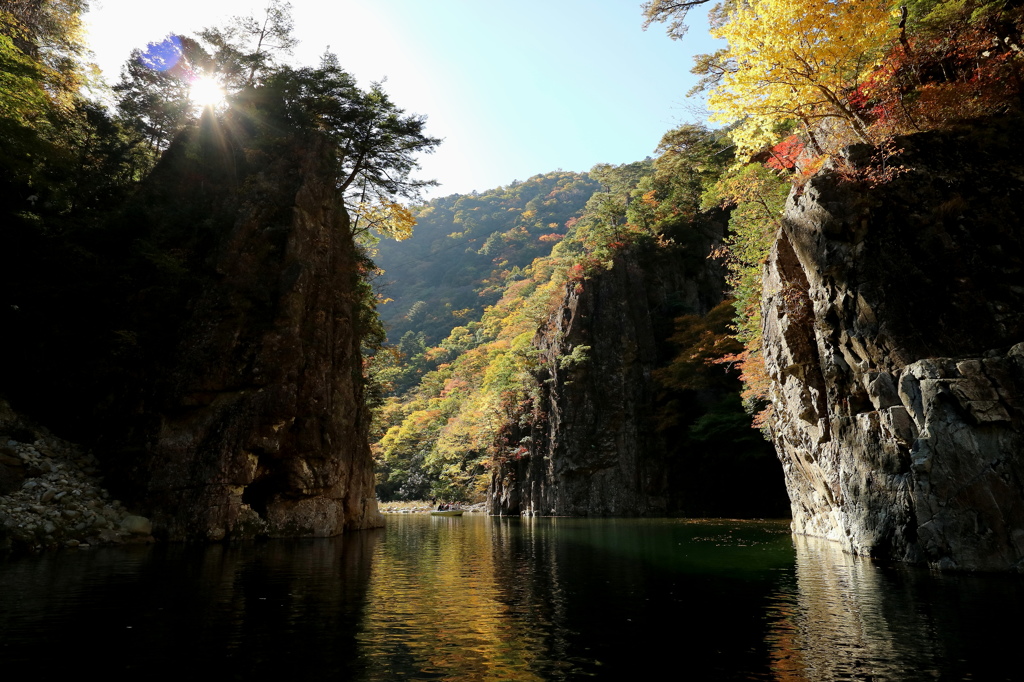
column 515, row 89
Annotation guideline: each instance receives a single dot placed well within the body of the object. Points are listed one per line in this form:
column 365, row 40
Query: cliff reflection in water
column 833, row 625
column 282, row 609
column 842, row 617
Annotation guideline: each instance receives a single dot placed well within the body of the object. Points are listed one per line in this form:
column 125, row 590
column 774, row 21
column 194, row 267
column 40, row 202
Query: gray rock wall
column 893, row 320
column 594, row 450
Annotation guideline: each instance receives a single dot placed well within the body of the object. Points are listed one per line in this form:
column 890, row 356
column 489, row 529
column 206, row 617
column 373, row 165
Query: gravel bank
column 51, row 496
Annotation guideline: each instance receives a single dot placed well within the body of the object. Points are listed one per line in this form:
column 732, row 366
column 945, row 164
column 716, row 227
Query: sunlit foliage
column 794, row 61
column 50, row 35
column 387, row 218
column 952, row 61
column 442, row 436
column 798, row 82
column 467, row 248
column 444, row 432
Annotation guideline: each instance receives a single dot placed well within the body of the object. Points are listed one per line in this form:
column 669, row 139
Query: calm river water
column 478, row 598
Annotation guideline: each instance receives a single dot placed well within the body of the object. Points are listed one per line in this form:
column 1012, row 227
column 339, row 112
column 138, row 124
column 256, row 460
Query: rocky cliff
column 595, row 450
column 893, row 322
column 253, row 420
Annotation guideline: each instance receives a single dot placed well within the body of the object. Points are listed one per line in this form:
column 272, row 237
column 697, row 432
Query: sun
column 206, row 92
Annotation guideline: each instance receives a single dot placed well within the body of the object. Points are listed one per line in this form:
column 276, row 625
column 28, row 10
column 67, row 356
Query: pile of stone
column 51, row 496
column 423, row 507
column 404, row 508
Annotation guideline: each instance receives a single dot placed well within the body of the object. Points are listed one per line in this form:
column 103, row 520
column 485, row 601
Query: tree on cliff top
column 375, row 142
column 798, row 61
column 247, row 47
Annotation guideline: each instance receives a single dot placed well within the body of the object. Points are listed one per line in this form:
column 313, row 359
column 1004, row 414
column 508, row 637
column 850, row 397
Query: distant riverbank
column 423, row 507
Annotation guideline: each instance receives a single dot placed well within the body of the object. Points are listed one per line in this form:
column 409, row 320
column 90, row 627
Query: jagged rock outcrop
column 595, row 451
column 893, row 322
column 255, row 423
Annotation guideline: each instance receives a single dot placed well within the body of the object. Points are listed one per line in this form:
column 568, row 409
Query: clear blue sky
column 514, row 88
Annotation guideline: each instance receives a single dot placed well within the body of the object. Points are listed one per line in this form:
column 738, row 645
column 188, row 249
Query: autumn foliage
column 799, row 81
column 841, row 72
column 441, row 437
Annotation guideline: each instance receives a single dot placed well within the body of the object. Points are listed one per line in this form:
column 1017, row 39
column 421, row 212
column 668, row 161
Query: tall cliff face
column 595, row 451
column 893, row 320
column 254, row 422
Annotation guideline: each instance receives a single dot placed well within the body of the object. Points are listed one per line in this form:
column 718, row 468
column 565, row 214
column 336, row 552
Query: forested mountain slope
column 578, row 355
column 466, row 247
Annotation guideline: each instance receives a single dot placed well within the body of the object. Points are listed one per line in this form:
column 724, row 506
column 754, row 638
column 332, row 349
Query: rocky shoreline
column 51, row 495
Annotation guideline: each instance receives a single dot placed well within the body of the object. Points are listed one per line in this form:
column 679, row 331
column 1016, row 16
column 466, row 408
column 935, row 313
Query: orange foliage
column 453, row 385
column 969, row 68
column 755, row 378
column 785, row 154
column 436, row 354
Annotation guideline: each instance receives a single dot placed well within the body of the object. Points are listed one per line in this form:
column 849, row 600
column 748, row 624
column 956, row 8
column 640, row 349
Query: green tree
column 607, row 222
column 153, row 93
column 375, row 142
column 248, row 48
column 690, row 159
column 50, row 34
column 24, row 103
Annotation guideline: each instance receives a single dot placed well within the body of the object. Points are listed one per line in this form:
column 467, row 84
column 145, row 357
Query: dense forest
column 465, row 248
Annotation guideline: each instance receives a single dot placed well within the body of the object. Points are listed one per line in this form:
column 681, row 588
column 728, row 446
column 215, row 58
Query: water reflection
column 508, row 599
column 230, row 611
column 841, row 617
column 436, row 609
column 833, row 625
column 550, row 599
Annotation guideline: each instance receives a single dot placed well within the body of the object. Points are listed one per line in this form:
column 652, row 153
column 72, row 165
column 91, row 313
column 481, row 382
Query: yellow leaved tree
column 798, row 61
column 386, row 218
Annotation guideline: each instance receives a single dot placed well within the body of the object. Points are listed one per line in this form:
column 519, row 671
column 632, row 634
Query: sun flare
column 206, row 92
